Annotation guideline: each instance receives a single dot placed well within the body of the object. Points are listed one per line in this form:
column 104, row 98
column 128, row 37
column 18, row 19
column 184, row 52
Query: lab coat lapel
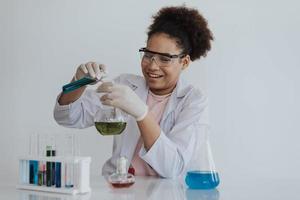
column 173, row 101
column 132, row 135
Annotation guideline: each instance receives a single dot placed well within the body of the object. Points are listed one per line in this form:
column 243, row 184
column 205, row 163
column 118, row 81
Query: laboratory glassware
column 33, row 164
column 110, row 121
column 77, row 84
column 82, row 82
column 69, row 152
column 202, row 173
column 121, row 178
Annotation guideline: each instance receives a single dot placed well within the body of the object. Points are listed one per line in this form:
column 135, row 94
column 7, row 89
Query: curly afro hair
column 187, row 26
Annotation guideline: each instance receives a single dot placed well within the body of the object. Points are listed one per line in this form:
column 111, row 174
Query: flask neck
column 121, row 165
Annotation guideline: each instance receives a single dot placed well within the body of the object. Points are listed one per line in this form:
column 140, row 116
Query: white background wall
column 251, row 75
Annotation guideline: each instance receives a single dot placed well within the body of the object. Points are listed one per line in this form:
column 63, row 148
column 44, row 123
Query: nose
column 154, row 64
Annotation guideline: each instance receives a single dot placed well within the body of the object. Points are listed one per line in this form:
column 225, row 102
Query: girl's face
column 161, row 72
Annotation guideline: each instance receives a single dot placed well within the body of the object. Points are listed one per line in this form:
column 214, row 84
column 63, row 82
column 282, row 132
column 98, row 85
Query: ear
column 185, row 62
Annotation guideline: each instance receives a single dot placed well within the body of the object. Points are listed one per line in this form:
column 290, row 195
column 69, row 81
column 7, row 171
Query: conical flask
column 202, row 173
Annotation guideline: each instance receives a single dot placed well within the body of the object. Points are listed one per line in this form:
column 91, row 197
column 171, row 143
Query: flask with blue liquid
column 202, row 173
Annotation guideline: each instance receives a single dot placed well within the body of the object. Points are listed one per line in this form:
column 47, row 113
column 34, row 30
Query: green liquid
column 110, row 128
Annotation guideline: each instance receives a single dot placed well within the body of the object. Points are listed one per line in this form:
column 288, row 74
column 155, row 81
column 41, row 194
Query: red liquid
column 122, row 185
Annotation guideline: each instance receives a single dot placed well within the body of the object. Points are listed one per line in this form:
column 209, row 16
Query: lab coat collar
column 179, row 91
column 181, row 88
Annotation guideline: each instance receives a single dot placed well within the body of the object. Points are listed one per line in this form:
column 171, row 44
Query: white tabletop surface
column 155, row 188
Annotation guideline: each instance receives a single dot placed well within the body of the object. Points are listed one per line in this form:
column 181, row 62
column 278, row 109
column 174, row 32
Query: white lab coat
column 169, row 156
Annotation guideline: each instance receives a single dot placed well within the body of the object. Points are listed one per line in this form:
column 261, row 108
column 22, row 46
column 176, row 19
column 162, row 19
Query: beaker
column 110, row 121
column 121, row 178
column 202, row 173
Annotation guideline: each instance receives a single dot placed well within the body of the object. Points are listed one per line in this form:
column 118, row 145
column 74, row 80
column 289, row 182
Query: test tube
column 40, row 174
column 33, row 164
column 27, row 171
column 57, row 147
column 41, row 152
column 33, row 171
column 48, row 167
column 69, row 165
column 69, row 174
column 42, row 143
column 33, row 144
column 44, row 174
column 53, row 153
column 69, row 141
column 22, row 171
column 58, row 174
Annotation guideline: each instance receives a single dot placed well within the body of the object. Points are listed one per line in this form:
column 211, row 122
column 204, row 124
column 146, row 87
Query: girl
column 166, row 113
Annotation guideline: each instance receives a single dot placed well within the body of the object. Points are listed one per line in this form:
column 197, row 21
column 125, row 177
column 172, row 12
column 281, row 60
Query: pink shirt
column 156, row 105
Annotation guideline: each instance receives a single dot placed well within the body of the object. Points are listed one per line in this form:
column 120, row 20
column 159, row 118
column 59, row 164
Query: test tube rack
column 80, row 173
column 40, row 195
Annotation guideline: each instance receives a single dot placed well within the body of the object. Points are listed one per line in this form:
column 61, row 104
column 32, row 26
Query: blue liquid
column 58, row 174
column 33, row 171
column 202, row 179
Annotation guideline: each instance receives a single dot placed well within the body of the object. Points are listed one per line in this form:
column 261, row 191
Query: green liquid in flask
column 110, row 128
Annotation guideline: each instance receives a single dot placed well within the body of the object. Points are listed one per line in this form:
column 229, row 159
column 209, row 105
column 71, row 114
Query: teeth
column 154, row 75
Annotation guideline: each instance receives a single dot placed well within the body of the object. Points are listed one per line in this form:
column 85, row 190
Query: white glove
column 91, row 69
column 123, row 97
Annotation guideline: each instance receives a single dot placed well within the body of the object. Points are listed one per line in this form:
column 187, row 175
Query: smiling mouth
column 154, row 75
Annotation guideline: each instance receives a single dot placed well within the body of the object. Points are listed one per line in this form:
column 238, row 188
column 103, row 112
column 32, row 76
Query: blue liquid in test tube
column 58, row 174
column 33, row 171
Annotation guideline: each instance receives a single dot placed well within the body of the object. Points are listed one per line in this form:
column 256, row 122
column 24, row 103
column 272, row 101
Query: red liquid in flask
column 121, row 178
column 122, row 185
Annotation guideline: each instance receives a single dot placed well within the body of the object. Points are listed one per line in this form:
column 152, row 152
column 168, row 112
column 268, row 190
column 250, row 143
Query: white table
column 163, row 189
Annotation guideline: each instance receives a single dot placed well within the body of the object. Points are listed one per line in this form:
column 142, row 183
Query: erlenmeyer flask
column 202, row 173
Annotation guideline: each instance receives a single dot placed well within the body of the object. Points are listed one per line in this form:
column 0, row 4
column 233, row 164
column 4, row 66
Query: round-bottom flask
column 121, row 178
column 110, row 121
